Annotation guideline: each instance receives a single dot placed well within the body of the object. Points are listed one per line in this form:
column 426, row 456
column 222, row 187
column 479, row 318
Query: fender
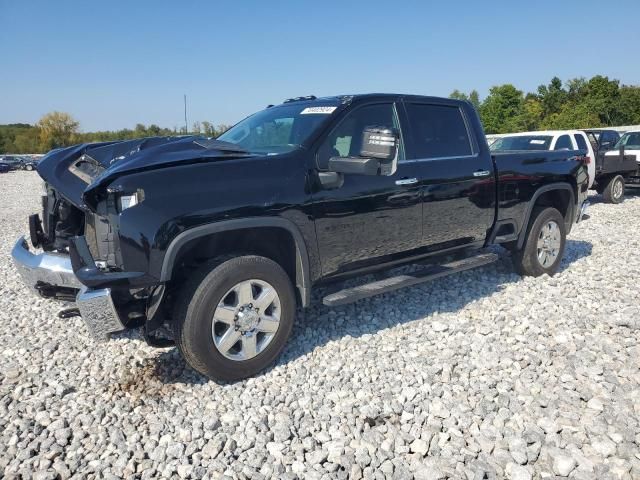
column 303, row 282
column 532, row 202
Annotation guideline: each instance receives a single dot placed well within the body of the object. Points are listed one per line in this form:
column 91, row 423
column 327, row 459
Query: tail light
column 585, row 159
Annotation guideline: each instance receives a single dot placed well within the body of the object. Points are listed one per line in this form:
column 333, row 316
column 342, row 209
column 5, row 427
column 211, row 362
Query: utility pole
column 186, row 124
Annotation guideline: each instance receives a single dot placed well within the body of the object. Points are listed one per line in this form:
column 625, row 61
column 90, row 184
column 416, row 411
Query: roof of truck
column 360, row 96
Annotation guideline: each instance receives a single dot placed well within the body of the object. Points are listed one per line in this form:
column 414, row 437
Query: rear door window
column 438, row 131
column 563, row 143
column 581, row 142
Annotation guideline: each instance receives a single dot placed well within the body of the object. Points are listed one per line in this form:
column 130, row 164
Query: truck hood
column 78, row 171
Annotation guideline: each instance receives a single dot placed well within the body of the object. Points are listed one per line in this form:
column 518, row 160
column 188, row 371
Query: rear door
column 458, row 183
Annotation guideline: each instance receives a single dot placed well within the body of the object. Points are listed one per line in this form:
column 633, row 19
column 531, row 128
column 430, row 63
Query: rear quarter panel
column 521, row 174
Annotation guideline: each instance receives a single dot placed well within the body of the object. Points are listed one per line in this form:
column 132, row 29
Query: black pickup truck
column 214, row 243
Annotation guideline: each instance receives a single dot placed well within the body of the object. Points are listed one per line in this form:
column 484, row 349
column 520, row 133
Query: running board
column 350, row 295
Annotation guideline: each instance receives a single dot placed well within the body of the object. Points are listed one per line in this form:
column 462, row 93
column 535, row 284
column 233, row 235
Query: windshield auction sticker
column 320, row 110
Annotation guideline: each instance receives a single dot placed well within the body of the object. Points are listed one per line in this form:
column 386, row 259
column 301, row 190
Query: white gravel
column 480, row 375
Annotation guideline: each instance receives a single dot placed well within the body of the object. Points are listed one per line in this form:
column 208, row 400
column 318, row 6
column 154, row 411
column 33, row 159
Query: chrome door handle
column 407, row 181
column 482, row 173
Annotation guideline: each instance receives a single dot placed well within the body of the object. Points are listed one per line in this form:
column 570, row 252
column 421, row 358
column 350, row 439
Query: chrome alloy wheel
column 246, row 320
column 549, row 242
column 618, row 188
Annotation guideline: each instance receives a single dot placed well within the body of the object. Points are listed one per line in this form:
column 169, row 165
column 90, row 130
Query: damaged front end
column 53, row 268
column 89, row 243
column 72, row 253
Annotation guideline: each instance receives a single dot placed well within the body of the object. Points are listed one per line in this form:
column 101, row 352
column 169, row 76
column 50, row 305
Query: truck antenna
column 186, row 124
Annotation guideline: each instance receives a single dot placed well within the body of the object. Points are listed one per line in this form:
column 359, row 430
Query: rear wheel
column 29, row 167
column 233, row 317
column 544, row 245
column 614, row 190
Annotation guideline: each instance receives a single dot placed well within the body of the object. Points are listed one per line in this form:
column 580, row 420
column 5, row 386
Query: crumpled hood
column 80, row 169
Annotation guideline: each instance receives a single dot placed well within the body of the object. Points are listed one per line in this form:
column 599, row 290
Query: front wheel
column 544, row 245
column 233, row 318
column 614, row 190
column 29, row 167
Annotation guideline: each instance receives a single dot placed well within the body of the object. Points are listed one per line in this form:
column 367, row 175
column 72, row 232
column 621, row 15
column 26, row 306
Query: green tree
column 27, row 141
column 602, row 97
column 502, row 110
column 630, row 105
column 531, row 115
column 552, row 96
column 474, row 98
column 57, row 129
column 458, row 95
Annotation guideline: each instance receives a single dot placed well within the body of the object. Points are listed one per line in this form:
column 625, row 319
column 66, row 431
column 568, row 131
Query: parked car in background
column 627, row 152
column 18, row 162
column 29, row 164
column 612, row 169
column 4, row 168
column 13, row 161
column 549, row 140
column 214, row 244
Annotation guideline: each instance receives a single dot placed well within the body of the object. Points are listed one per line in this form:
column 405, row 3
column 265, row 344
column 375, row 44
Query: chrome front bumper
column 53, row 270
column 43, row 268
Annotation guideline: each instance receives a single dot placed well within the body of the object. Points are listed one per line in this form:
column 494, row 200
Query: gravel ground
column 479, row 375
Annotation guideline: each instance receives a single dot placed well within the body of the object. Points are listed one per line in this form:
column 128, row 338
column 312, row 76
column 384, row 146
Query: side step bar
column 350, row 295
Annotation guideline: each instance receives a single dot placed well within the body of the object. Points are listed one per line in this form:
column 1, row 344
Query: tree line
column 575, row 104
column 60, row 129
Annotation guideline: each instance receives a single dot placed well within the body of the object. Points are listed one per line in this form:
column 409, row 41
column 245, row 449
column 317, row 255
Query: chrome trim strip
column 435, row 159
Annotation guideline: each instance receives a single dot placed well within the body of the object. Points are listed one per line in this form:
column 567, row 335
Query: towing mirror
column 378, row 154
column 380, row 143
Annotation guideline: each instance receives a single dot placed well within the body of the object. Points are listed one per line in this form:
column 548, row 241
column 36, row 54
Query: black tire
column 198, row 299
column 526, row 260
column 29, row 167
column 614, row 190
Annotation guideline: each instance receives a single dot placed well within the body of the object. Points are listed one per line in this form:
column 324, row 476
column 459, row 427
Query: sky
column 115, row 63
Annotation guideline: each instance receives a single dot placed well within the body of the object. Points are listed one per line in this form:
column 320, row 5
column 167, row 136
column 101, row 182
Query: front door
column 369, row 219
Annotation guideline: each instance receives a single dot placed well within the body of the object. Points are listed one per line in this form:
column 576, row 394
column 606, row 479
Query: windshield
column 278, row 129
column 629, row 140
column 522, row 142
